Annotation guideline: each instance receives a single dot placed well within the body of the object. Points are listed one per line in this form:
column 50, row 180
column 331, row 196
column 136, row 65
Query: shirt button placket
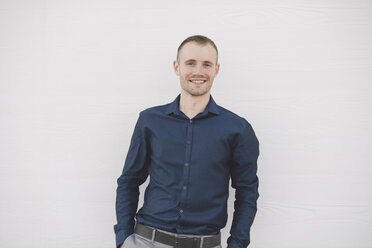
column 189, row 131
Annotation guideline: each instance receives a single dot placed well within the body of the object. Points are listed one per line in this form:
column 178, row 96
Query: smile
column 197, row 81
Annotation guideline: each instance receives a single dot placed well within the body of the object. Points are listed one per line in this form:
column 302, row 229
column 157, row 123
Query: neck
column 193, row 105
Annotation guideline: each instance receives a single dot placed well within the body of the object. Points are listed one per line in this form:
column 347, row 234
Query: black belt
column 178, row 242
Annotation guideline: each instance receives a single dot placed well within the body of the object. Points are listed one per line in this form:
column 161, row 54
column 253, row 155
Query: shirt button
column 181, row 211
column 186, row 164
column 190, row 121
column 184, row 187
column 188, row 142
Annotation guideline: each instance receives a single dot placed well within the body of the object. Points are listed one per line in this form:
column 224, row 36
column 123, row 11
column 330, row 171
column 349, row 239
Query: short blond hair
column 199, row 39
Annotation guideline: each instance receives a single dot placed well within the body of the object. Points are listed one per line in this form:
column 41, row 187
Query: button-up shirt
column 190, row 163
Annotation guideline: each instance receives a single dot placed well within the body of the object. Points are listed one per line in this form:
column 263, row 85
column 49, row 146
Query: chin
column 198, row 93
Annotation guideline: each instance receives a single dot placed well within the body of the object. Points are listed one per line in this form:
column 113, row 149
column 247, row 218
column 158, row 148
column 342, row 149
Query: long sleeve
column 245, row 182
column 133, row 175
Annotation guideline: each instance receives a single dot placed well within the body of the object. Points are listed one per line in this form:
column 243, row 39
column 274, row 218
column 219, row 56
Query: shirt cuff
column 121, row 236
column 234, row 244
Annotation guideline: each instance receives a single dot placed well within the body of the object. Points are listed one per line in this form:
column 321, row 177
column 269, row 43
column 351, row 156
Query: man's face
column 196, row 68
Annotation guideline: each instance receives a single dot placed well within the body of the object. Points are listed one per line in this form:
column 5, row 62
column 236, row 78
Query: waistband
column 177, row 240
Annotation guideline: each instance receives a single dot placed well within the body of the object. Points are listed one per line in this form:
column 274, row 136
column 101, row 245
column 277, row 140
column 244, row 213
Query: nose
column 198, row 69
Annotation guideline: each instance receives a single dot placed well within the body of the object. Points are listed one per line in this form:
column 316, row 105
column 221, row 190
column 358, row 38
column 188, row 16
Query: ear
column 176, row 67
column 217, row 69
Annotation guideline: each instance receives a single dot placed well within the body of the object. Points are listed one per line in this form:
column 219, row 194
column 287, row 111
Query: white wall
column 74, row 75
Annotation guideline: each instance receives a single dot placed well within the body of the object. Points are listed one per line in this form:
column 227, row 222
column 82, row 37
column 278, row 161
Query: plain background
column 74, row 75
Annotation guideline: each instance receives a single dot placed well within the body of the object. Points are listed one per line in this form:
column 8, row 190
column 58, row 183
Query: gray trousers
column 137, row 241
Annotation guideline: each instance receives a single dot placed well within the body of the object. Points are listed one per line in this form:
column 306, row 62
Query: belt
column 177, row 241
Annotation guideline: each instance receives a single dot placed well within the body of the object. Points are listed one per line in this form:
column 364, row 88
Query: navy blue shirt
column 190, row 163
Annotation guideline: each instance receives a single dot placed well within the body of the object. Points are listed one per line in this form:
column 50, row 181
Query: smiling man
column 197, row 66
column 190, row 148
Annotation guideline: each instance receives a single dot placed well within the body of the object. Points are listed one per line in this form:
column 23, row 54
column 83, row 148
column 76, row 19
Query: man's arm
column 134, row 174
column 245, row 182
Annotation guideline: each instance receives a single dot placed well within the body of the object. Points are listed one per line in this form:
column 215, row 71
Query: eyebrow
column 193, row 60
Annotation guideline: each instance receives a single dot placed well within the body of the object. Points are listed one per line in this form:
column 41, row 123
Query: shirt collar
column 174, row 106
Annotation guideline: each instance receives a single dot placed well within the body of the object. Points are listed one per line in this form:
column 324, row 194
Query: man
column 190, row 148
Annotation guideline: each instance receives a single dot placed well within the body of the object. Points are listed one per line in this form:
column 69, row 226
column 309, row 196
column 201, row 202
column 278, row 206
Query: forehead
column 195, row 51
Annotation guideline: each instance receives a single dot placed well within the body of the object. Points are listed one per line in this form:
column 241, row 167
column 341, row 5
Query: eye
column 190, row 63
column 207, row 65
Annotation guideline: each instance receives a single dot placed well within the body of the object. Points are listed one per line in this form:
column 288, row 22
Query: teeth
column 197, row 81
